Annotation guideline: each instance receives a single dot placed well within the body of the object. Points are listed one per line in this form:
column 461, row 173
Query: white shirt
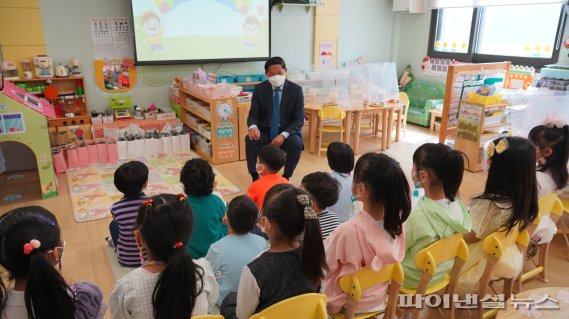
column 15, row 305
column 545, row 183
column 132, row 295
column 453, row 209
column 284, row 134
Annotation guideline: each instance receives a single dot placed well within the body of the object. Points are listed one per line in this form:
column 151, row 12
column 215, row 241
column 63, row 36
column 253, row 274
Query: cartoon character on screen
column 152, row 25
column 243, row 6
column 251, row 29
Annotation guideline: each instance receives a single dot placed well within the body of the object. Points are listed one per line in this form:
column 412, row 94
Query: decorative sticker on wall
column 12, row 123
column 225, row 128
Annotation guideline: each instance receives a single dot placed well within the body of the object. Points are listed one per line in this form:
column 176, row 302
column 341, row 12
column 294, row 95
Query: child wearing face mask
column 270, row 161
column 440, row 213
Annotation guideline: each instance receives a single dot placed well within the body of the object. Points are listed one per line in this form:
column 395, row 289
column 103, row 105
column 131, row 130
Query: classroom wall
column 68, row 35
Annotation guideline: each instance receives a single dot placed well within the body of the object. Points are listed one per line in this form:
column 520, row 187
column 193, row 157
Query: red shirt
column 260, row 187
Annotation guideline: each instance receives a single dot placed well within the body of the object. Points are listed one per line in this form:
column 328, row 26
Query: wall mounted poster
column 327, row 53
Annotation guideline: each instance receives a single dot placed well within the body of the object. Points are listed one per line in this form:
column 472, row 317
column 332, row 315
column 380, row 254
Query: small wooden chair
column 354, row 284
column 452, row 247
column 330, row 113
column 402, row 117
column 308, row 306
column 548, row 204
column 494, row 246
column 208, row 317
column 562, row 227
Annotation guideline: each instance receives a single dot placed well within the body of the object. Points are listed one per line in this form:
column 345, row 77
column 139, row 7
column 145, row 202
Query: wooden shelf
column 82, row 119
column 197, row 96
column 201, row 153
column 49, row 79
column 198, row 114
column 195, row 129
column 495, row 125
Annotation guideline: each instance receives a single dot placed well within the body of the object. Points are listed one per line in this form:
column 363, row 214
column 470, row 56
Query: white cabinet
column 411, row 6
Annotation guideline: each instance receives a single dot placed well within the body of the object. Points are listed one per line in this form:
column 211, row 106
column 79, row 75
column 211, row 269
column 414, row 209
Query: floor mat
column 92, row 191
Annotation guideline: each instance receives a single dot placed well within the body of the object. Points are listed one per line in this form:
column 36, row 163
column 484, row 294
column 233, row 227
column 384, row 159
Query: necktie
column 275, row 118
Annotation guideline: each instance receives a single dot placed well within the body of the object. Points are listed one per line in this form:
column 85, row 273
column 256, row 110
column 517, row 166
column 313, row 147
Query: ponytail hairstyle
column 166, row 223
column 289, row 208
column 555, row 137
column 387, row 188
column 444, row 165
column 27, row 236
column 511, row 179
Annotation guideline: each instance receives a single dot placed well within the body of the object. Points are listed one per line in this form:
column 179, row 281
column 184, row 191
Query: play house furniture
column 385, row 112
column 147, row 125
column 23, row 120
column 215, row 123
column 421, row 95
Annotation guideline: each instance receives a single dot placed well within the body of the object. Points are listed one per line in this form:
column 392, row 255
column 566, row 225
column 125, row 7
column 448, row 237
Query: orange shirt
column 260, row 187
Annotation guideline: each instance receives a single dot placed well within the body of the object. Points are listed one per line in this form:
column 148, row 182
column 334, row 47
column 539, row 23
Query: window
column 523, row 34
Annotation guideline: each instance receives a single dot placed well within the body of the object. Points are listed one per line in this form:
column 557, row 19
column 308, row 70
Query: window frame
column 473, row 57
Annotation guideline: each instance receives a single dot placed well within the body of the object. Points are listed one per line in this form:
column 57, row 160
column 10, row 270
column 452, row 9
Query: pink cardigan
column 360, row 242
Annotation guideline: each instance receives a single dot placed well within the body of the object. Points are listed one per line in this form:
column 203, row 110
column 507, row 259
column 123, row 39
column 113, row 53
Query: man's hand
column 254, row 134
column 278, row 141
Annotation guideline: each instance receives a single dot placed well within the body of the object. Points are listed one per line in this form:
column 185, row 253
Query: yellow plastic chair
column 548, row 204
column 493, row 246
column 307, row 306
column 402, row 117
column 208, row 317
column 562, row 227
column 327, row 114
column 354, row 284
column 452, row 247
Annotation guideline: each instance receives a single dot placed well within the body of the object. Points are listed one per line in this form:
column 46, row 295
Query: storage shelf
column 201, row 153
column 195, row 129
column 194, row 112
column 48, row 79
column 496, row 125
column 195, row 95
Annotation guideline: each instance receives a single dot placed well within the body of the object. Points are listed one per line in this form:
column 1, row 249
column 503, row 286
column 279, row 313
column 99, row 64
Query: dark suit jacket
column 291, row 108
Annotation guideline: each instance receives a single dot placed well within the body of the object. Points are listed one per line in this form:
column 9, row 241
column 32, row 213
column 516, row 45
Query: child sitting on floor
column 130, row 179
column 341, row 161
column 31, row 247
column 170, row 284
column 509, row 201
column 269, row 162
column 323, row 190
column 289, row 268
column 198, row 180
column 437, row 169
column 374, row 237
column 230, row 254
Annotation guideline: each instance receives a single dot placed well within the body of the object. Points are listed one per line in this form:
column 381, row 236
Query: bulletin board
column 461, row 80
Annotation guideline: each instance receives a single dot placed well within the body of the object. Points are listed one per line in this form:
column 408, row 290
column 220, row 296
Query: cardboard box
column 166, row 116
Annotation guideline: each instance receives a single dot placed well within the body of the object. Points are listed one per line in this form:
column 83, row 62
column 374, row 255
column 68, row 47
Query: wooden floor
column 85, row 257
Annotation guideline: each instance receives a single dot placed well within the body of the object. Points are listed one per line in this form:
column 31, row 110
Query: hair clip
column 148, row 202
column 183, row 197
column 178, row 245
column 303, row 199
column 29, row 247
column 46, row 220
column 499, row 148
column 552, row 121
column 309, row 213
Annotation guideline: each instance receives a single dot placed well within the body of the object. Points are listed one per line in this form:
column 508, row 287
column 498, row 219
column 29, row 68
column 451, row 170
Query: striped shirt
column 328, row 223
column 125, row 212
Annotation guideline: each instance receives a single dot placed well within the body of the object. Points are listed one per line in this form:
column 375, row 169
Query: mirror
column 115, row 75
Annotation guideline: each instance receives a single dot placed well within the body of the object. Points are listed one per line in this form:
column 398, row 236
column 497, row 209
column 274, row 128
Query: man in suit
column 276, row 118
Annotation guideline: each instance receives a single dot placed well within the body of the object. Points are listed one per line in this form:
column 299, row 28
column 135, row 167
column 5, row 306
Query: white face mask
column 277, row 80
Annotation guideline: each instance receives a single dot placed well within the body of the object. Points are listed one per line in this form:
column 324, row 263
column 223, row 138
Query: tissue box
column 107, row 119
column 166, row 115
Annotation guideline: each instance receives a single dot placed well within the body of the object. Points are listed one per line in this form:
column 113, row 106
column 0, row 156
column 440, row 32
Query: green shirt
column 430, row 221
column 208, row 227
